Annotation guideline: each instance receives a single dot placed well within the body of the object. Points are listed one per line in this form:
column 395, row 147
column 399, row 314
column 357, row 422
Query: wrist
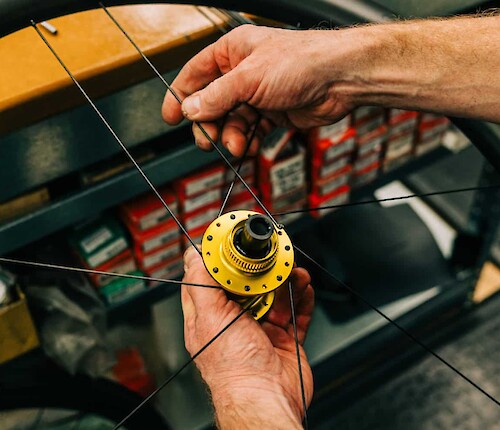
column 253, row 403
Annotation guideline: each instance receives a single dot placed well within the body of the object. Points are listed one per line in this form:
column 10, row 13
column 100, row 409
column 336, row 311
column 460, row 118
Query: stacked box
column 101, row 245
column 430, row 133
column 368, row 118
column 400, row 139
column 200, row 198
column 155, row 234
column 240, row 198
column 282, row 173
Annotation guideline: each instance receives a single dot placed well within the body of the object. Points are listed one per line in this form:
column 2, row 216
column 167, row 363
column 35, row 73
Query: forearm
column 448, row 66
column 255, row 408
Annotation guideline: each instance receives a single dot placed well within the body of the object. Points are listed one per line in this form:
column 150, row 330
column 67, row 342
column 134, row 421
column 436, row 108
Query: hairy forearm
column 449, row 66
column 255, row 408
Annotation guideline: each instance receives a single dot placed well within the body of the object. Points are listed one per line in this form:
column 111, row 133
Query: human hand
column 251, row 369
column 288, row 76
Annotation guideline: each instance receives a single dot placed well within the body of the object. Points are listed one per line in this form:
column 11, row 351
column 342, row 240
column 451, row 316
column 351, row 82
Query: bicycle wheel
column 18, row 14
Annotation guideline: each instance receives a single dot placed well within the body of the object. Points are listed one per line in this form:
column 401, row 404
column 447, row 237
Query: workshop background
column 80, row 351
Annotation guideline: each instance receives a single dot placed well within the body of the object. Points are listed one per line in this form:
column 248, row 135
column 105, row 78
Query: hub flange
column 248, row 256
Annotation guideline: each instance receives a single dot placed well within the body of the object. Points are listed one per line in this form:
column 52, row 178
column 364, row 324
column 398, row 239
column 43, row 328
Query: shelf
column 89, row 202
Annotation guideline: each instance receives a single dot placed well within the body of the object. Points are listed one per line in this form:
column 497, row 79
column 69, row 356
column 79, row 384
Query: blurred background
column 80, row 351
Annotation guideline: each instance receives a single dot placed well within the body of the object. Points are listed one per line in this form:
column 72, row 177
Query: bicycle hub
column 249, row 257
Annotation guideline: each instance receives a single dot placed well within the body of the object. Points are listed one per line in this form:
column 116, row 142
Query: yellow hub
column 248, row 256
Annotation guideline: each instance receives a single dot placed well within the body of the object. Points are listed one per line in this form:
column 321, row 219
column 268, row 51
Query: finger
column 188, row 308
column 280, row 313
column 221, row 95
column 204, row 299
column 234, row 134
column 200, row 139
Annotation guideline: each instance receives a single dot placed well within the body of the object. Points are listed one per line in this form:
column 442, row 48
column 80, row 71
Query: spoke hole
column 233, row 216
column 228, row 282
column 247, row 287
column 287, row 247
column 218, row 224
column 209, row 237
column 208, row 253
column 215, row 269
column 279, row 277
column 264, row 286
column 280, row 232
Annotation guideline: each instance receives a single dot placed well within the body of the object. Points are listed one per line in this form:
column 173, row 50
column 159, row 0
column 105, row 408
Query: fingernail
column 191, row 106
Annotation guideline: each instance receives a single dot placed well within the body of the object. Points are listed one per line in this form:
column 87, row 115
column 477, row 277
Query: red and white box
column 332, row 131
column 399, row 145
column 369, row 120
column 401, row 121
column 198, row 183
column 194, row 203
column 156, row 237
column 365, row 176
column 319, row 172
column 337, row 197
column 247, row 170
column 123, row 263
column 196, row 236
column 372, row 141
column 147, row 211
column 148, row 260
column 241, row 200
column 294, row 198
column 170, row 269
column 367, row 160
column 326, row 150
column 328, row 185
column 202, row 217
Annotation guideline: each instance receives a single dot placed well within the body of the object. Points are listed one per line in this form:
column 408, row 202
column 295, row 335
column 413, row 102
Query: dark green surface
column 72, row 140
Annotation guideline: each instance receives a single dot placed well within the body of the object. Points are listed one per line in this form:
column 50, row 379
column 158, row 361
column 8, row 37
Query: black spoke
column 399, row 327
column 108, row 126
column 389, row 199
column 221, row 28
column 242, row 160
column 297, row 350
column 194, row 357
column 179, row 100
column 100, row 272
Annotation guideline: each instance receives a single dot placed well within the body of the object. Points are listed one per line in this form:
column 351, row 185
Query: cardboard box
column 195, row 203
column 171, row 269
column 148, row 260
column 122, row 263
column 147, row 211
column 24, row 204
column 17, row 330
column 247, row 171
column 428, row 145
column 332, row 131
column 326, row 150
column 332, row 183
column 98, row 241
column 122, row 289
column 368, row 160
column 337, row 197
column 390, row 165
column 401, row 121
column 155, row 237
column 198, row 183
column 365, row 176
column 323, row 171
column 372, row 141
column 202, row 217
column 369, row 123
column 399, row 145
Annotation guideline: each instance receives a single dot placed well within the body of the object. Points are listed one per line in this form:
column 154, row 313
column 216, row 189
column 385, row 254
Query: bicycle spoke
column 194, row 357
column 297, row 350
column 179, row 100
column 242, row 160
column 108, row 126
column 409, row 196
column 398, row 326
column 221, row 28
column 99, row 272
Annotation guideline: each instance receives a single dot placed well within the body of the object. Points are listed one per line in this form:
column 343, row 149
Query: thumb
column 219, row 97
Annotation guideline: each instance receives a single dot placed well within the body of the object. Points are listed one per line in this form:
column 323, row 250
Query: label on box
column 332, row 185
column 293, row 198
column 247, row 170
column 107, row 252
column 369, row 175
column 369, row 124
column 396, row 162
column 428, row 145
column 275, row 142
column 123, row 263
column 399, row 146
column 162, row 239
column 202, row 218
column 96, row 239
column 283, row 170
column 335, row 129
column 332, row 168
column 156, row 257
column 288, row 184
column 157, row 217
column 340, row 149
column 199, row 183
column 191, row 204
column 364, row 162
column 121, row 290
